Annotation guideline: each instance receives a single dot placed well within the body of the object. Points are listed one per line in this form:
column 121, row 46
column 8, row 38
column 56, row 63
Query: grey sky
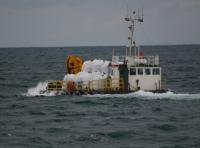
column 96, row 22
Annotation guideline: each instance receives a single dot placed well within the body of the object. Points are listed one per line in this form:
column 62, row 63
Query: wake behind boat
column 123, row 74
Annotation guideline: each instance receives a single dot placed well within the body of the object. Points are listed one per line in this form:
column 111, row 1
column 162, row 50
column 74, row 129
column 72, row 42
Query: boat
column 123, row 74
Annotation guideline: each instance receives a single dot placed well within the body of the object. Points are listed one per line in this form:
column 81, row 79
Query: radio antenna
column 132, row 19
column 127, row 10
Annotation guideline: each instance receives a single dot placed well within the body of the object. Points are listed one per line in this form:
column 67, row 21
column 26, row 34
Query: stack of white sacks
column 91, row 70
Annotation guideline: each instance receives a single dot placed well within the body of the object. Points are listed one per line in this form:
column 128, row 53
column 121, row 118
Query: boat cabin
column 143, row 73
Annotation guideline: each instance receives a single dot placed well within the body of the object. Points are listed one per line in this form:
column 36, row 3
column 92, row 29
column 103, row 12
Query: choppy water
column 141, row 119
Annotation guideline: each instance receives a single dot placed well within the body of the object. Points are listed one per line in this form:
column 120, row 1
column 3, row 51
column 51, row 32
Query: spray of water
column 39, row 90
column 149, row 95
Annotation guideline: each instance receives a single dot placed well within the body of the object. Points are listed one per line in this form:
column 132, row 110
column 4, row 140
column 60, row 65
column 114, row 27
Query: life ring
column 70, row 87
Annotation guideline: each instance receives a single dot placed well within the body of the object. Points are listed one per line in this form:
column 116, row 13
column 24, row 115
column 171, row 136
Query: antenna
column 127, row 10
column 140, row 18
column 132, row 19
column 142, row 13
column 127, row 13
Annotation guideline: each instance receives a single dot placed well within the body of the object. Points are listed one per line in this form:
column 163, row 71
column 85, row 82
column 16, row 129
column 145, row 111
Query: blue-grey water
column 137, row 120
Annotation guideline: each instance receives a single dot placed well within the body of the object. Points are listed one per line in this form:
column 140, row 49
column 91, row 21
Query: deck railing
column 104, row 85
column 137, row 60
column 55, row 85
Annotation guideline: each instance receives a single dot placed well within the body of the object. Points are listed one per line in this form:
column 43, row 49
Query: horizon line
column 196, row 44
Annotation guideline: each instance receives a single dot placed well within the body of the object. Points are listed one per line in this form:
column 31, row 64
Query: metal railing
column 107, row 85
column 55, row 85
column 138, row 60
column 104, row 85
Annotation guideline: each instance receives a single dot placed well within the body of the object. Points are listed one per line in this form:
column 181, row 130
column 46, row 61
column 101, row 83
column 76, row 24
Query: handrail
column 137, row 60
column 108, row 85
column 104, row 85
column 55, row 85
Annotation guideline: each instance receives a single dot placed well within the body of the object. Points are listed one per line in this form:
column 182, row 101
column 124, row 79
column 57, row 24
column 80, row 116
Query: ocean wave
column 149, row 95
column 39, row 90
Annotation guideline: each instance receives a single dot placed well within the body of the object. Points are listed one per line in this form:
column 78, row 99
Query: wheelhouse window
column 140, row 71
column 156, row 71
column 148, row 71
column 132, row 71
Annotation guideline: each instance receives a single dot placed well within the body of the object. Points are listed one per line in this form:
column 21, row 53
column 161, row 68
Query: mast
column 132, row 19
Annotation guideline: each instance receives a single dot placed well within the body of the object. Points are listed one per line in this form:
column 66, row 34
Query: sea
column 30, row 119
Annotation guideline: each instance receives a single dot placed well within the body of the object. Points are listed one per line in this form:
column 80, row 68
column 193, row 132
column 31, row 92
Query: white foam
column 39, row 90
column 149, row 95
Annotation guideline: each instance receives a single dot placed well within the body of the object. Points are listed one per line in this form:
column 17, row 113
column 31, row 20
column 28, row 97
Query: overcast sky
column 31, row 23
